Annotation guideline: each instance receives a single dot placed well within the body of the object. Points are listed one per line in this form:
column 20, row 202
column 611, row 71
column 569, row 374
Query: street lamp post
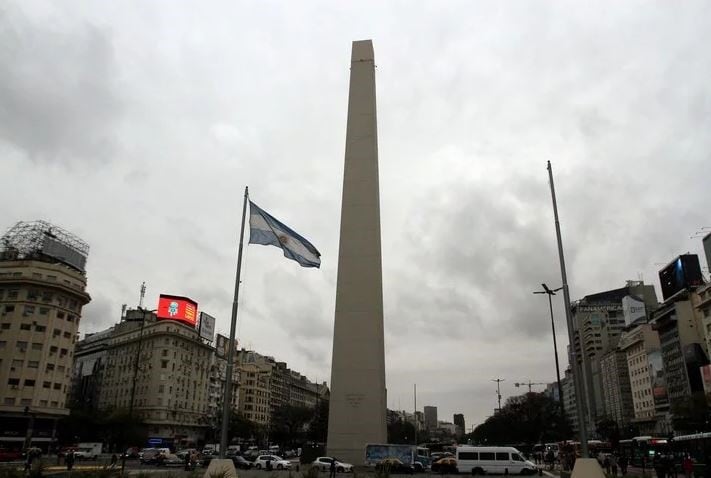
column 550, row 293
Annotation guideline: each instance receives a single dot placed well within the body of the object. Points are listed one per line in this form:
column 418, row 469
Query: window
column 67, row 335
column 3, row 343
column 32, row 294
column 56, row 333
column 43, row 403
column 13, row 381
column 55, row 404
column 25, row 326
column 5, row 326
column 60, row 315
column 33, row 364
column 46, row 384
column 60, row 369
column 483, row 456
column 12, row 294
column 17, row 363
column 40, row 328
column 50, row 367
column 57, row 386
column 29, row 383
column 21, row 345
column 9, row 308
column 9, row 401
column 468, row 455
column 36, row 346
column 163, row 364
column 53, row 349
column 516, row 457
column 44, row 310
column 502, row 457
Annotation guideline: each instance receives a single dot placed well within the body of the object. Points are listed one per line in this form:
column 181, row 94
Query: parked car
column 241, row 462
column 276, row 462
column 323, row 463
column 149, row 456
column 393, row 465
column 132, row 452
column 169, row 459
column 10, row 455
column 445, row 464
column 187, row 451
column 85, row 454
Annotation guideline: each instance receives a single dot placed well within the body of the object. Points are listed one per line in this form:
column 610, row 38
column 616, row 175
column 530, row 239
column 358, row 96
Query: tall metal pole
column 414, row 416
column 582, row 429
column 555, row 350
column 498, row 390
column 227, row 399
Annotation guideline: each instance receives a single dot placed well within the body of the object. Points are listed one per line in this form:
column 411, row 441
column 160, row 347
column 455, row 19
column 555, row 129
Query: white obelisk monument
column 357, row 407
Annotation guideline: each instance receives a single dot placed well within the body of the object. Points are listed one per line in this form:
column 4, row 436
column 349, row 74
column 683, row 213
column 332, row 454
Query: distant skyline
column 136, row 126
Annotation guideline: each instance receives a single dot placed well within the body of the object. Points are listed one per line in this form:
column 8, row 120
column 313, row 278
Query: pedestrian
column 687, row 464
column 606, row 463
column 114, row 460
column 332, row 473
column 187, row 462
column 613, row 465
column 623, row 464
column 69, row 460
column 550, row 458
column 193, row 459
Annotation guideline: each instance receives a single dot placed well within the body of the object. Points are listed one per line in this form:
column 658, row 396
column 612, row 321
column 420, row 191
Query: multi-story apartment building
column 89, row 363
column 458, row 419
column 617, row 393
column 641, row 347
column 571, row 410
column 159, row 370
column 42, row 292
column 701, row 300
column 268, row 385
column 683, row 346
column 598, row 321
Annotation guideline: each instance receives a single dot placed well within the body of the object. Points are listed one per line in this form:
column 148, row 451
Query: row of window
column 36, row 295
column 19, row 363
column 38, row 328
column 30, row 310
column 11, row 401
column 485, row 456
column 22, row 346
column 31, row 383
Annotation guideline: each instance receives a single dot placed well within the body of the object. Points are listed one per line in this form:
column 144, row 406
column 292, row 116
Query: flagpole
column 577, row 383
column 227, row 399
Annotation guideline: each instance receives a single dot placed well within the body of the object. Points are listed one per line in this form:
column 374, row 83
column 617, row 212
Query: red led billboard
column 173, row 307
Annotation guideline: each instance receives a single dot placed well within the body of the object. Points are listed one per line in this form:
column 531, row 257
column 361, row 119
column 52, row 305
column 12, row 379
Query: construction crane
column 530, row 384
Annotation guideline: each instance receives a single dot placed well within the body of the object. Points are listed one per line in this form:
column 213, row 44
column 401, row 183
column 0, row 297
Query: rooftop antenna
column 143, row 295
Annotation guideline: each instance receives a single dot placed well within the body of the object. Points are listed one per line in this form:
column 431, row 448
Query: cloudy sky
column 136, row 125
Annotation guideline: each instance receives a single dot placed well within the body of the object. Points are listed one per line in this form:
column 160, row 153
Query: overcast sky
column 137, row 125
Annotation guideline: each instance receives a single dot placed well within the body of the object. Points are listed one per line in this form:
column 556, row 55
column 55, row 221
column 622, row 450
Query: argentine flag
column 267, row 230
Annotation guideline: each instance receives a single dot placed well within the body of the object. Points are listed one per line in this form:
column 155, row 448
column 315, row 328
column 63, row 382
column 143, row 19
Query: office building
column 430, row 417
column 88, row 371
column 42, row 293
column 159, row 370
column 617, row 393
column 458, row 420
column 598, row 321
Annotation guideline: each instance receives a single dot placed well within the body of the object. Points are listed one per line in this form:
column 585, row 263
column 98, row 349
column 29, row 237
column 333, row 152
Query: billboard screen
column 174, row 307
column 207, row 326
column 683, row 272
column 58, row 250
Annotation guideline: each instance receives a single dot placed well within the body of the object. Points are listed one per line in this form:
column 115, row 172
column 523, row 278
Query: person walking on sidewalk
column 687, row 465
column 623, row 464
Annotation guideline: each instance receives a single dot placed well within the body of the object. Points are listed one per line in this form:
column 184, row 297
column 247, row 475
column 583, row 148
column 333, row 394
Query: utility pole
column 550, row 293
column 569, row 321
column 498, row 391
column 529, row 383
column 414, row 416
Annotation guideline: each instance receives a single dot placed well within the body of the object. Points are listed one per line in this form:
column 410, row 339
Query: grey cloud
column 58, row 99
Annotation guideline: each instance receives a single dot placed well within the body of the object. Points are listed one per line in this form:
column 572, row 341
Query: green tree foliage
column 609, row 431
column 318, row 430
column 401, row 432
column 241, row 427
column 691, row 414
column 115, row 428
column 289, row 424
column 530, row 418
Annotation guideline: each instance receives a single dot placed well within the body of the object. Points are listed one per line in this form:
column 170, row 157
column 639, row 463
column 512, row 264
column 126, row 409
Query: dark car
column 241, row 462
column 446, row 464
column 10, row 455
column 393, row 465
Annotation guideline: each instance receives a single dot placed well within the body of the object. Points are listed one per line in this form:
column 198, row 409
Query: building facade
column 159, row 370
column 458, row 420
column 41, row 300
column 430, row 417
column 617, row 392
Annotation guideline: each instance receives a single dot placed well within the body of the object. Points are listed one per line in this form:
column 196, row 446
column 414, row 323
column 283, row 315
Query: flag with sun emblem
column 266, row 230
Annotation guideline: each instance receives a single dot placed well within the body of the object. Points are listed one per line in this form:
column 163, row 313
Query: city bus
column 698, row 446
column 641, row 450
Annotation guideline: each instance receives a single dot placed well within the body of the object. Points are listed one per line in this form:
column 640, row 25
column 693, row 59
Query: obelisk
column 357, row 406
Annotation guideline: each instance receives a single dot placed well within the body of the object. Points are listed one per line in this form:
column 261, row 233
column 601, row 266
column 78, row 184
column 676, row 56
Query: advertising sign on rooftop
column 207, row 326
column 174, row 307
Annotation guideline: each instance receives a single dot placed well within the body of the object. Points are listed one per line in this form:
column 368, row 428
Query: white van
column 501, row 460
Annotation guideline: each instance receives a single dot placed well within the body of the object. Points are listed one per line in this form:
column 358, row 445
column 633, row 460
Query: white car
column 85, row 454
column 276, row 462
column 323, row 463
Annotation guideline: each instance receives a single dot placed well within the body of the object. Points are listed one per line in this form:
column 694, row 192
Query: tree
column 608, row 430
column 289, row 423
column 530, row 418
column 318, row 429
column 401, row 432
